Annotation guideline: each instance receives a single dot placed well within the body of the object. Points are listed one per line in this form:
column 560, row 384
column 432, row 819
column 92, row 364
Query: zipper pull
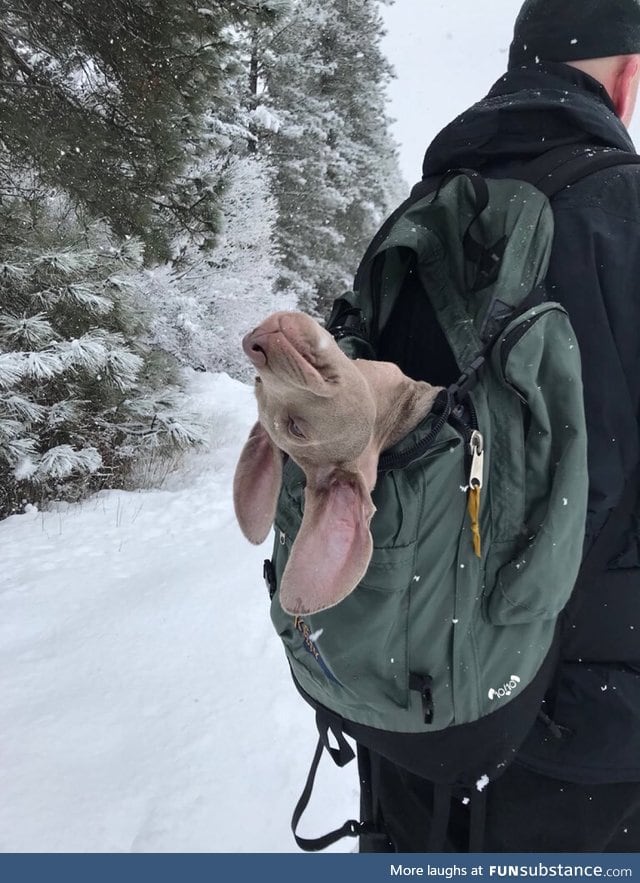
column 476, row 443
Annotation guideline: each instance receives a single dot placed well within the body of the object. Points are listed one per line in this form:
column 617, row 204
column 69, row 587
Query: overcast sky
column 446, row 56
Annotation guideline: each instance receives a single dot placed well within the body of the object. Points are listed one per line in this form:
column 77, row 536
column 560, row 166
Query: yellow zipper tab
column 474, row 514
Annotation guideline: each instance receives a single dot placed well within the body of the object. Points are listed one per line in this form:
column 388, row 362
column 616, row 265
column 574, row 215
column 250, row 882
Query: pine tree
column 357, row 86
column 81, row 400
column 335, row 164
column 204, row 308
column 206, row 301
column 116, row 102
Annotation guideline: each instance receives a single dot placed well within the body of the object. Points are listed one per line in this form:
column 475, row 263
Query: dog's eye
column 294, row 429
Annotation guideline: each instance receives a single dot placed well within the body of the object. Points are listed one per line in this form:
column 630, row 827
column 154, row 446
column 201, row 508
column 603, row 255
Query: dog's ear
column 256, row 485
column 333, row 548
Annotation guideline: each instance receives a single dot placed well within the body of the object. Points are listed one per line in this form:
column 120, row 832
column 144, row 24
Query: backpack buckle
column 468, row 379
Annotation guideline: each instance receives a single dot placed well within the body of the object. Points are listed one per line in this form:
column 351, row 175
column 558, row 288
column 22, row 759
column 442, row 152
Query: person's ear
column 625, row 88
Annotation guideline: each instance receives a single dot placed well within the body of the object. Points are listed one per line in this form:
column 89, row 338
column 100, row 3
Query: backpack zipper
column 512, row 338
column 474, row 442
column 466, row 427
column 402, row 459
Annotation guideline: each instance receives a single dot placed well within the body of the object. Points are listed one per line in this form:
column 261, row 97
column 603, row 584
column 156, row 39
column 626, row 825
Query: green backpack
column 441, row 657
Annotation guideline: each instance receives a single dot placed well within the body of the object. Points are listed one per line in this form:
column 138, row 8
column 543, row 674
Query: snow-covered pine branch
column 73, row 368
column 63, row 461
column 26, row 332
column 12, row 369
column 22, row 409
column 87, row 297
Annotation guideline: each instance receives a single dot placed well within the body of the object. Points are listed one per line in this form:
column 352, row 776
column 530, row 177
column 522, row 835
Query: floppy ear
column 333, row 548
column 256, row 485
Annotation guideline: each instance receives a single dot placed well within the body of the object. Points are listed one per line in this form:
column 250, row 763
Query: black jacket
column 595, row 274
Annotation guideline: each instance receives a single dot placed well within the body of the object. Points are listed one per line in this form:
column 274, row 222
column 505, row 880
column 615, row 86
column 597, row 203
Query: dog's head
column 313, row 401
column 332, row 416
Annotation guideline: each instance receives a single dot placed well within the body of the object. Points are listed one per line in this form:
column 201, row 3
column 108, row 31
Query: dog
column 333, row 416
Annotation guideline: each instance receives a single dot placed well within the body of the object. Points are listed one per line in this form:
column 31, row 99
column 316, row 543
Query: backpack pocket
column 532, row 571
column 355, row 653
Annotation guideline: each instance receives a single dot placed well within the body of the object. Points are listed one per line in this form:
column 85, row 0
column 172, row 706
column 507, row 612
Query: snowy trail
column 145, row 702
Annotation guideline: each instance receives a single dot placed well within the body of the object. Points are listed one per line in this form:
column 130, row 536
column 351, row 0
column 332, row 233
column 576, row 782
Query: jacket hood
column 529, row 111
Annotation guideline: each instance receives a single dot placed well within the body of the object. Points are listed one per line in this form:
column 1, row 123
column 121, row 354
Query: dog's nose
column 254, row 350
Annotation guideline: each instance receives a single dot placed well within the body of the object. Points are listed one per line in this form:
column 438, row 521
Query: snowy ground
column 145, row 704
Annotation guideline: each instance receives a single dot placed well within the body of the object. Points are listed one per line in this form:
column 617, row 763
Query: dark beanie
column 571, row 30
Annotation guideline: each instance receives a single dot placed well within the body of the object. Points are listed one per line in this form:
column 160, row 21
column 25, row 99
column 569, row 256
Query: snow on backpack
column 440, row 659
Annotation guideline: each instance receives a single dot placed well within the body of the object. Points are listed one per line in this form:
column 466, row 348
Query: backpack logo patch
column 506, row 689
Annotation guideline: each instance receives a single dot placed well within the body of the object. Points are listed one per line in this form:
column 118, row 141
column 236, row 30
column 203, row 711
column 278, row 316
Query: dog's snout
column 253, row 350
column 258, row 356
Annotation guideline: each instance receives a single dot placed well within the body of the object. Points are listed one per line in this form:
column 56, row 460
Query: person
column 573, row 77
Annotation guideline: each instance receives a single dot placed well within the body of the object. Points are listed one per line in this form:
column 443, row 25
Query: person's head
column 599, row 37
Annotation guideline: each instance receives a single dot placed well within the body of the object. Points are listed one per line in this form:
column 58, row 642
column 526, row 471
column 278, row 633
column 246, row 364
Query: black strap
column 564, row 166
column 349, row 829
column 342, row 755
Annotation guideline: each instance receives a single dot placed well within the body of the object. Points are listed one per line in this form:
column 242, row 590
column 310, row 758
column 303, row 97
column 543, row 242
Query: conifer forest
column 170, row 173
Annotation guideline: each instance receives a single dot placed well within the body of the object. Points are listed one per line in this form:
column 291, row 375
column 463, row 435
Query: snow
column 146, row 703
column 266, row 119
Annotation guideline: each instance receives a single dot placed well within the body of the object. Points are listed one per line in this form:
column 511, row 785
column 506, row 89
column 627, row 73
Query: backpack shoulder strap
column 566, row 165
